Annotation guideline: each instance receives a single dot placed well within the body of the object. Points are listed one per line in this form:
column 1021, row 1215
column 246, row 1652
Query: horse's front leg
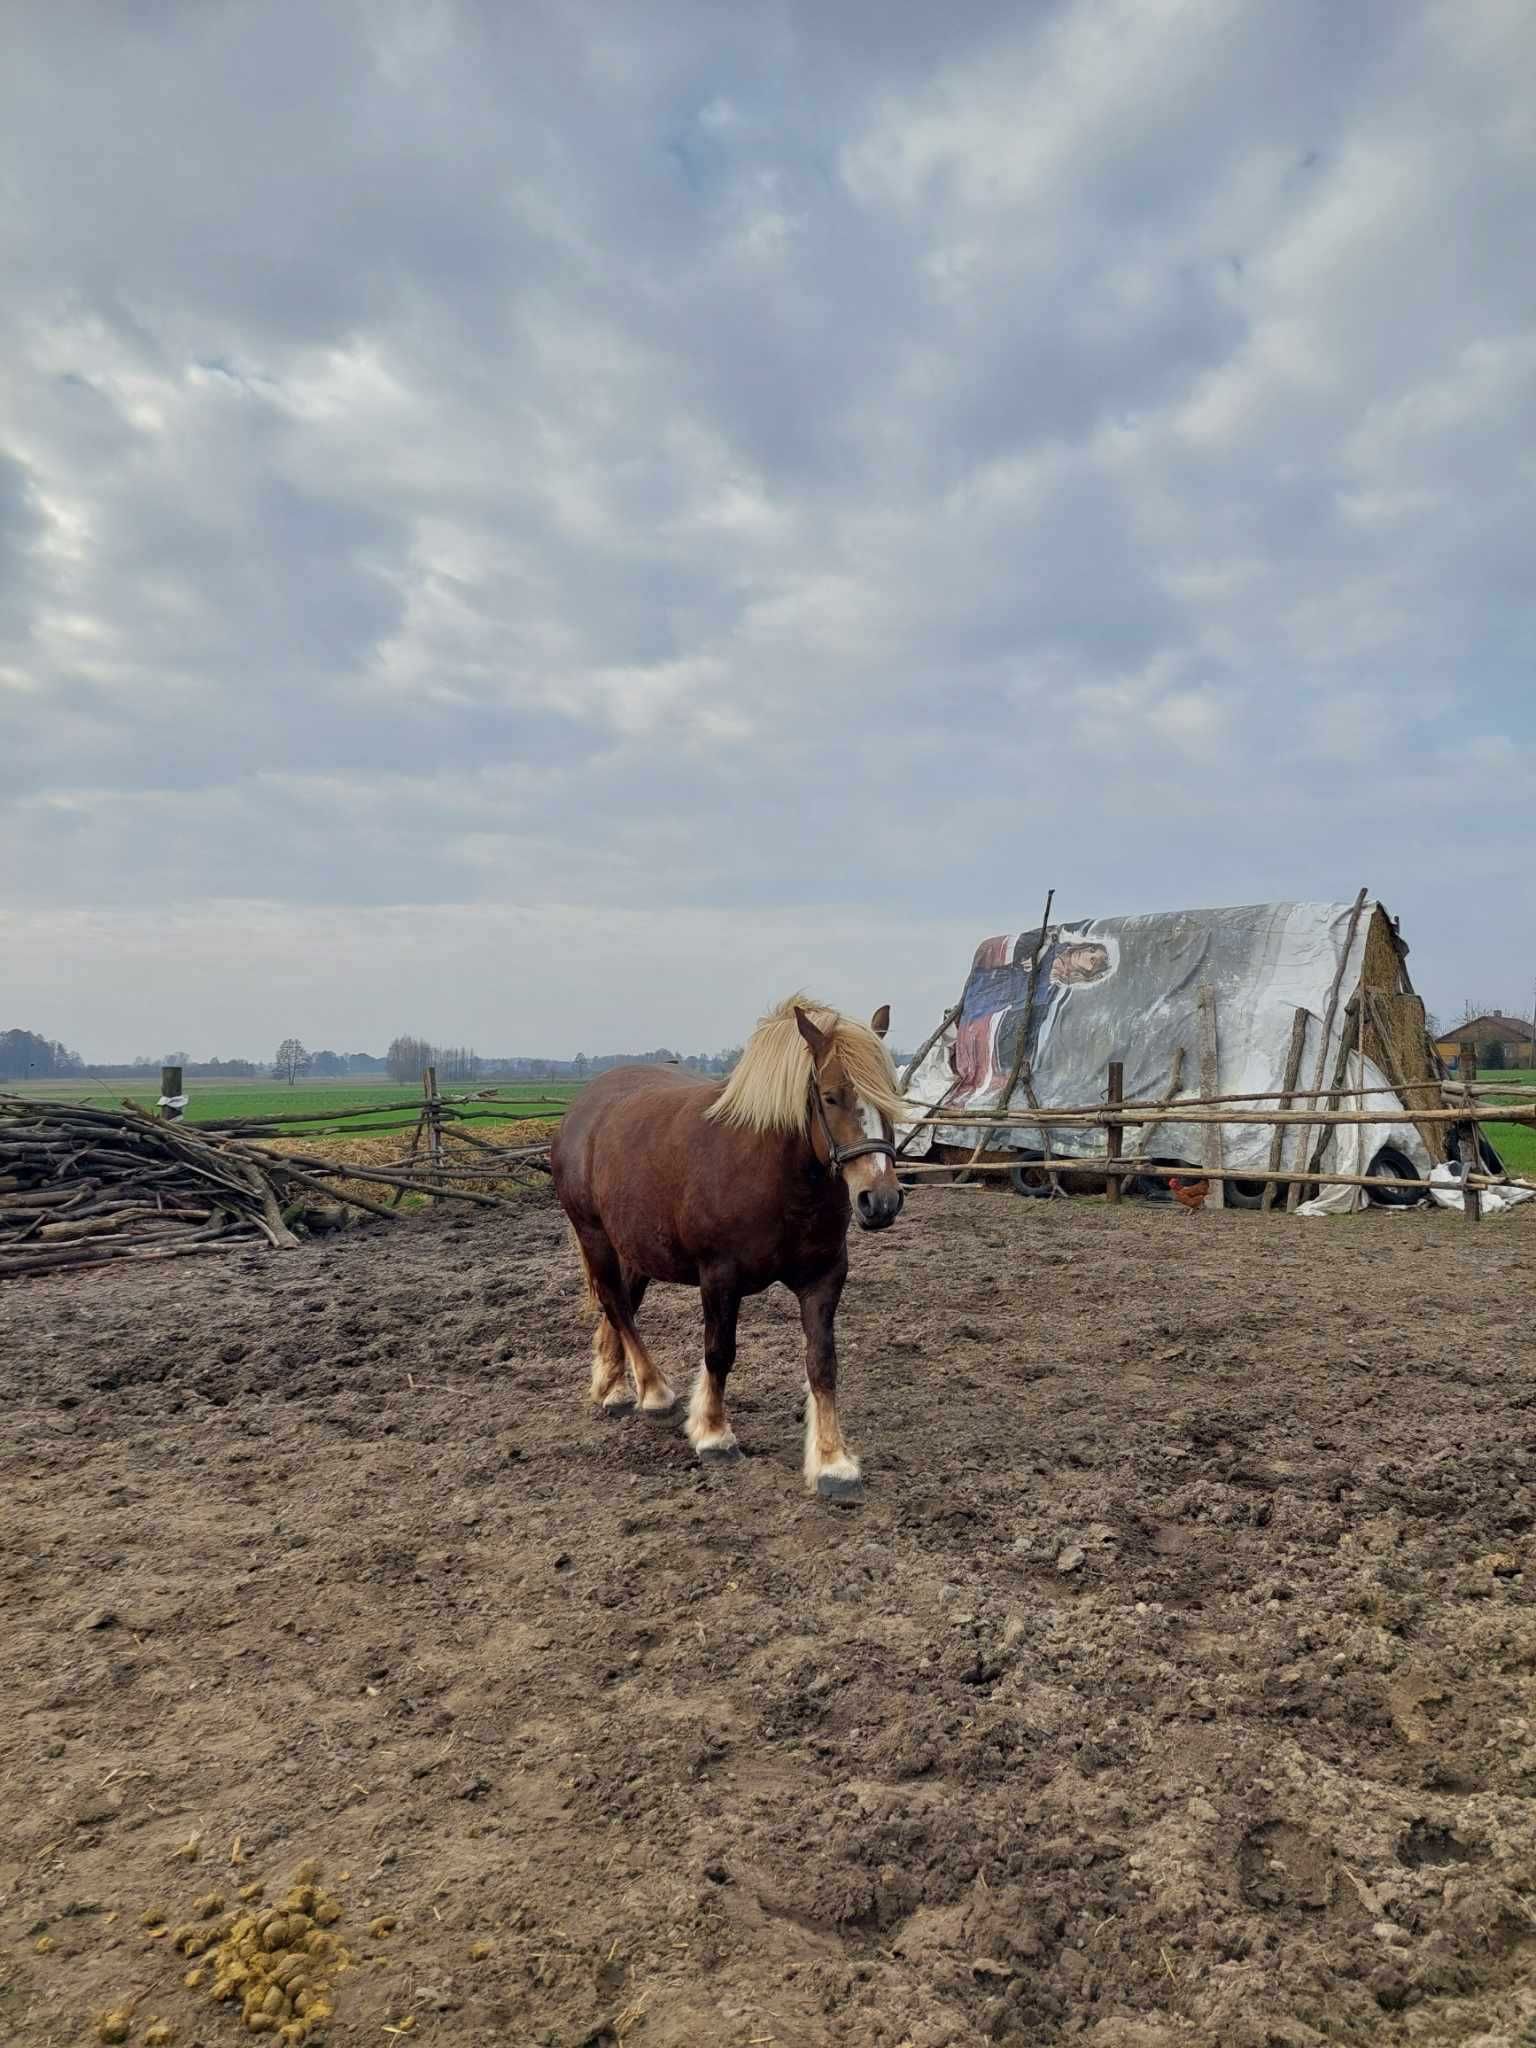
column 709, row 1427
column 830, row 1467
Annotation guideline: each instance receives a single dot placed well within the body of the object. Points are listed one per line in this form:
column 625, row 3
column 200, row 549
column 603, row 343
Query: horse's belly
column 657, row 1258
column 644, row 1234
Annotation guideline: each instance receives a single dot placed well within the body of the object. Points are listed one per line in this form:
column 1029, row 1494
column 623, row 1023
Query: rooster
column 1189, row 1194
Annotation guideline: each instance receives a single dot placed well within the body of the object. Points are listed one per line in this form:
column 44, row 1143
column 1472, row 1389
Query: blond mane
column 770, row 1089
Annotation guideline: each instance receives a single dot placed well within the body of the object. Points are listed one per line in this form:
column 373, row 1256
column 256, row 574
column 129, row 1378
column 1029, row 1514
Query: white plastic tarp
column 1127, row 989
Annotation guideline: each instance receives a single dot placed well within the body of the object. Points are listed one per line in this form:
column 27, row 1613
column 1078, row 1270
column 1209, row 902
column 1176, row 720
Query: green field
column 1514, row 1143
column 218, row 1101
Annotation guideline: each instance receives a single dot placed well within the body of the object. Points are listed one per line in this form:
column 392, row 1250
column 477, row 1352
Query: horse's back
column 628, row 1109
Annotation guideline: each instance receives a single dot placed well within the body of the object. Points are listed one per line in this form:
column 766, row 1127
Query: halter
column 838, row 1156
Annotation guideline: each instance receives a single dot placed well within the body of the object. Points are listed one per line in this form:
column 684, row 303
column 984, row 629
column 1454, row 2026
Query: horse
column 732, row 1189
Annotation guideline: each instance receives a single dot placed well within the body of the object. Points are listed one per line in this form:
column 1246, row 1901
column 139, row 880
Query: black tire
column 1390, row 1161
column 1150, row 1188
column 1026, row 1179
column 1243, row 1194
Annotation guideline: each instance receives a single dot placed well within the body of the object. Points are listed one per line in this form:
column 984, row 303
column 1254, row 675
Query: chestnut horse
column 730, row 1189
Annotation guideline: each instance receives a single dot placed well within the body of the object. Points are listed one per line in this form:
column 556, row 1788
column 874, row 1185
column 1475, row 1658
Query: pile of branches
column 80, row 1186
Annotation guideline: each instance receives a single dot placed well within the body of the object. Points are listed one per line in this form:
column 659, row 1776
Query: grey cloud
column 819, row 467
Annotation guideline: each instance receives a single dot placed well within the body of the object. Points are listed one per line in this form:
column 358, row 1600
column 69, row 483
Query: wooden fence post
column 171, row 1108
column 1114, row 1093
column 1292, row 1075
column 434, row 1116
column 1471, row 1142
column 1293, row 1197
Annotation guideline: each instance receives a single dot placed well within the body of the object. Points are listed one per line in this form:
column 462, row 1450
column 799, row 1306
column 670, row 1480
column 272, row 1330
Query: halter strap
column 838, row 1156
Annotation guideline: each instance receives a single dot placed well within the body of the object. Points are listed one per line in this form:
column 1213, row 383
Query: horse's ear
column 880, row 1023
column 816, row 1040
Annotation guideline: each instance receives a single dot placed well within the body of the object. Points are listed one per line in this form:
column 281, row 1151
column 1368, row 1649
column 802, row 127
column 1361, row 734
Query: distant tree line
column 24, row 1056
column 408, row 1059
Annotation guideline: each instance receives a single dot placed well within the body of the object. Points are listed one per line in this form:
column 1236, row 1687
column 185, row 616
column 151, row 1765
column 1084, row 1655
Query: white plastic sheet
column 1126, row 988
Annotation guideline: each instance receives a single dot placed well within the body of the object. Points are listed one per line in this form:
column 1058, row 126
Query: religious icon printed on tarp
column 997, row 1012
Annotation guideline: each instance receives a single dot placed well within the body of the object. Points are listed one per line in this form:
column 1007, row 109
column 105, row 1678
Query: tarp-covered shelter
column 1192, row 1003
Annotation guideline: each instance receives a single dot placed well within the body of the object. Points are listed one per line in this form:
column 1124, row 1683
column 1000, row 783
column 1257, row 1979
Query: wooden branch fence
column 82, row 1185
column 1460, row 1110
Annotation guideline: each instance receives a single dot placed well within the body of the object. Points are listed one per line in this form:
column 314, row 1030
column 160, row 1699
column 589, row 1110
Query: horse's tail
column 594, row 1307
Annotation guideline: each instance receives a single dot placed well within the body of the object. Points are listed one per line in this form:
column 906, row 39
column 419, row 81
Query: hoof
column 831, row 1486
column 659, row 1412
column 620, row 1406
column 718, row 1454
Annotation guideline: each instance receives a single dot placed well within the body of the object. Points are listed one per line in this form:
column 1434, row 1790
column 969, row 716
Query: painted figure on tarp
column 997, row 1012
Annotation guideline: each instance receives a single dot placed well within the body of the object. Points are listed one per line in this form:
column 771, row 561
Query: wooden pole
column 410, row 1159
column 1114, row 1091
column 1197, row 1110
column 1471, row 1148
column 1294, row 1196
column 171, row 1107
column 1292, row 1070
column 1169, row 1102
column 1336, row 1093
column 928, row 1044
column 1170, row 1094
column 1363, row 994
column 434, row 1115
column 1210, row 1081
column 1287, row 1176
column 1021, row 1064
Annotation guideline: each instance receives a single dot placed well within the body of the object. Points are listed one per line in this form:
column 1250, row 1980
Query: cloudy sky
column 551, row 525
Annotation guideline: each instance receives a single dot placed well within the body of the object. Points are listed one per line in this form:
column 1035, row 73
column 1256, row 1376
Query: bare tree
column 291, row 1061
column 409, row 1058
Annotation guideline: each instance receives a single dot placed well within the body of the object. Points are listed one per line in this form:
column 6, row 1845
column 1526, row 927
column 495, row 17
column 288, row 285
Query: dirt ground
column 1174, row 1685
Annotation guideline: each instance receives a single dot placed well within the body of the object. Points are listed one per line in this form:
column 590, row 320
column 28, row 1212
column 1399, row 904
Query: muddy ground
column 1174, row 1685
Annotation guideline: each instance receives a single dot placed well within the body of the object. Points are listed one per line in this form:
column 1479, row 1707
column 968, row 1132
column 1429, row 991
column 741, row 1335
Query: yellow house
column 1513, row 1033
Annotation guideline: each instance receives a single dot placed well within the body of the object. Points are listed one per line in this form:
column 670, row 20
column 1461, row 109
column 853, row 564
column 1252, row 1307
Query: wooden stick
column 1210, row 1081
column 1196, row 1111
column 1469, row 1147
column 1364, row 1006
column 1021, row 1056
column 385, row 1177
column 1025, row 1066
column 496, row 1151
column 356, row 1201
column 972, row 1116
column 1174, row 1081
column 279, row 1122
column 98, row 1254
column 1292, row 1070
column 1329, row 1013
column 928, row 1044
column 434, row 1118
column 1114, row 1091
column 1289, row 1176
column 399, row 1195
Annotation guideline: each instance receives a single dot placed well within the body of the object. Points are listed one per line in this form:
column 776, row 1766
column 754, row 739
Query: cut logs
column 81, row 1186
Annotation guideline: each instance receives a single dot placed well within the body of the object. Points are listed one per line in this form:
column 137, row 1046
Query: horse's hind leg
column 610, row 1380
column 617, row 1295
column 611, row 1388
column 709, row 1427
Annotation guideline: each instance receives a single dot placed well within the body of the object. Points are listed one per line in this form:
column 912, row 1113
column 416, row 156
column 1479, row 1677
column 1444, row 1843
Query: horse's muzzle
column 877, row 1208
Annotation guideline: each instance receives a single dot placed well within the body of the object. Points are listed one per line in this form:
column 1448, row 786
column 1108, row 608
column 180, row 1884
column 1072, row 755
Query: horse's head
column 849, row 1135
